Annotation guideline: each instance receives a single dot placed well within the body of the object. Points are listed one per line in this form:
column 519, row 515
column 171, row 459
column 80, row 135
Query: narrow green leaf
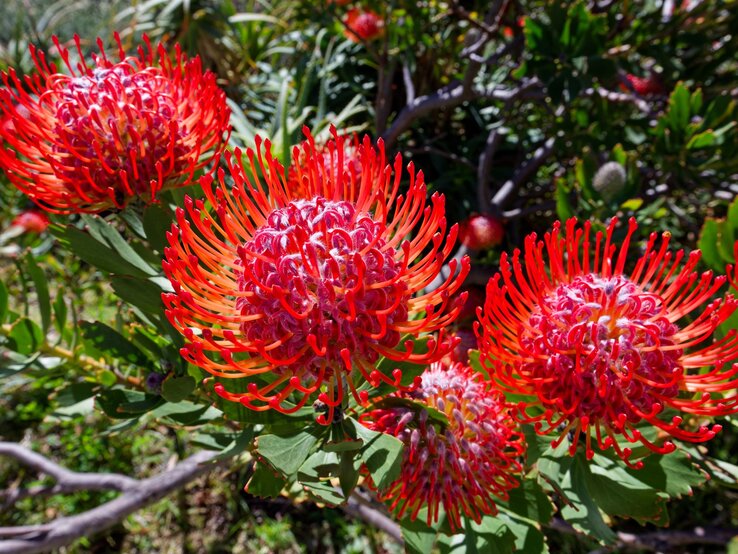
column 157, row 221
column 60, row 312
column 126, row 404
column 109, row 341
column 94, row 252
column 3, row 302
column 708, row 244
column 42, row 291
column 142, row 293
column 176, row 389
column 115, row 240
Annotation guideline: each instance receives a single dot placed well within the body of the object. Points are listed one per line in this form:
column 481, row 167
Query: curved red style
column 301, row 292
column 601, row 354
column 109, row 131
column 459, row 467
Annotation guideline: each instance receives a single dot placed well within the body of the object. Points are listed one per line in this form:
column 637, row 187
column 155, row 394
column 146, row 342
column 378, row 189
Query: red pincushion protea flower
column 31, row 221
column 645, row 86
column 110, row 130
column 601, row 352
column 459, row 467
column 302, row 294
column 362, row 25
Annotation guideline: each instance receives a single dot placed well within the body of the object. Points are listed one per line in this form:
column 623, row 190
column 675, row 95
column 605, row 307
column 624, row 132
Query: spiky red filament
column 302, row 291
column 459, row 467
column 106, row 132
column 599, row 353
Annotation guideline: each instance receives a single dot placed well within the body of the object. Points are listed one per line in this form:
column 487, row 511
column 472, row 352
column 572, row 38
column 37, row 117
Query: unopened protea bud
column 609, row 180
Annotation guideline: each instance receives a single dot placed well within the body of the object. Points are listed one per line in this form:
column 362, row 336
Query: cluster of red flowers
column 109, row 131
column 458, row 466
column 300, row 280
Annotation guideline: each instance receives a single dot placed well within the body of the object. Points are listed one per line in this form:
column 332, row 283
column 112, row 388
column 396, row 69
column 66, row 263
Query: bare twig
column 361, row 507
column 656, row 541
column 620, row 97
column 523, row 174
column 136, row 494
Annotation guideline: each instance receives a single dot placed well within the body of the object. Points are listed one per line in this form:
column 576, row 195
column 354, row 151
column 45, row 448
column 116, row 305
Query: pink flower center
column 117, row 119
column 322, row 280
column 602, row 348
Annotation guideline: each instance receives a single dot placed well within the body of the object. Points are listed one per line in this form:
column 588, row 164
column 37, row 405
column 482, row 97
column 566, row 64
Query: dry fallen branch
column 136, row 494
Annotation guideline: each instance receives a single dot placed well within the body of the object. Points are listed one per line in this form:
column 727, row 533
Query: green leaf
column 94, row 252
column 324, row 491
column 265, row 482
column 188, row 413
column 702, row 140
column 382, row 454
column 42, row 291
column 176, row 389
column 141, row 293
column 75, row 393
column 157, row 222
column 238, row 445
column 107, row 340
column 3, row 302
column 673, row 474
column 582, row 512
column 419, row 538
column 287, row 453
column 60, row 312
column 348, row 472
column 527, row 534
column 708, row 244
column 126, row 404
column 26, row 337
column 564, row 209
column 620, row 492
column 106, row 233
column 679, row 107
column 530, row 501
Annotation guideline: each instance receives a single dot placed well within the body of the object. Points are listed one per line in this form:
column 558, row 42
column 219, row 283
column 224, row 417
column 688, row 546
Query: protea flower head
column 301, row 293
column 109, row 130
column 600, row 354
column 362, row 25
column 645, row 86
column 461, row 466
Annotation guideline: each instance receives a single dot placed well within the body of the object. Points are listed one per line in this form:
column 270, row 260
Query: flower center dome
column 322, row 285
column 602, row 348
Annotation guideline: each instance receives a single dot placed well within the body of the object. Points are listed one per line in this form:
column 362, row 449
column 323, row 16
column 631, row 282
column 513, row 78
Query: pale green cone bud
column 609, row 180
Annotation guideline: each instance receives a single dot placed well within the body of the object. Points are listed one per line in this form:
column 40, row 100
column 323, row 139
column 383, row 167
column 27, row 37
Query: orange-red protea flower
column 459, row 466
column 31, row 221
column 362, row 25
column 645, row 86
column 109, row 131
column 301, row 293
column 600, row 352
